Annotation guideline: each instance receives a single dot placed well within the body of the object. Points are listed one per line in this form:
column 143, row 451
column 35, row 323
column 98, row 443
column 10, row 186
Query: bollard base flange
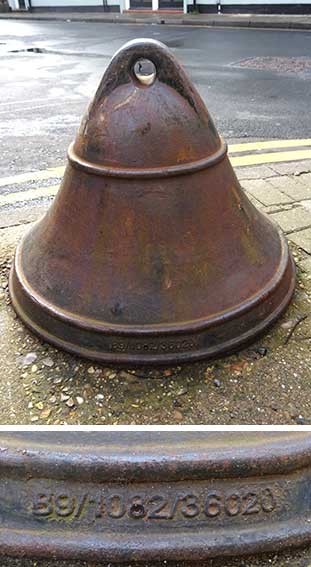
column 208, row 338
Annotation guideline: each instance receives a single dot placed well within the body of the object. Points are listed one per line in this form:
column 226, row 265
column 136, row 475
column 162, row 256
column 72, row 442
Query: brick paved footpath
column 283, row 191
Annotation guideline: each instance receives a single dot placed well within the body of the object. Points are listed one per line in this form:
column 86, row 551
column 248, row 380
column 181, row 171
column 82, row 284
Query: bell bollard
column 151, row 253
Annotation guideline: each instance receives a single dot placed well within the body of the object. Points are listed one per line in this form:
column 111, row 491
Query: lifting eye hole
column 145, row 71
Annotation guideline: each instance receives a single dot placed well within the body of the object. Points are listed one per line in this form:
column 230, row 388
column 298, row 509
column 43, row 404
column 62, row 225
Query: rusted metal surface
column 151, row 252
column 153, row 496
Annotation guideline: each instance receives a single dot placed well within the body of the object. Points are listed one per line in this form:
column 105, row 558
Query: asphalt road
column 43, row 95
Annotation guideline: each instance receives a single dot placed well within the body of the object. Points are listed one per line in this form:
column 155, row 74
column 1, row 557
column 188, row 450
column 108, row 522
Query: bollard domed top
column 146, row 114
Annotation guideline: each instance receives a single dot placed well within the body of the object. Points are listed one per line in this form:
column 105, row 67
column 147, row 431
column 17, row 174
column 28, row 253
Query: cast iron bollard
column 151, row 252
column 153, row 496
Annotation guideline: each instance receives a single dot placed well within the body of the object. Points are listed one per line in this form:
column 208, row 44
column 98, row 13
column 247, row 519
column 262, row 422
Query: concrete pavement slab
column 292, row 168
column 302, row 239
column 295, row 186
column 265, row 193
column 306, row 180
column 256, row 172
column 293, row 219
column 254, row 201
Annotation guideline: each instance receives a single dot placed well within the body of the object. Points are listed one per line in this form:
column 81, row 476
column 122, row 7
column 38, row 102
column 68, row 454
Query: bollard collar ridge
column 152, row 123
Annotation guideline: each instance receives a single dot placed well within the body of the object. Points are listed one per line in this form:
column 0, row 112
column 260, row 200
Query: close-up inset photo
column 142, row 498
column 160, row 273
column 155, row 288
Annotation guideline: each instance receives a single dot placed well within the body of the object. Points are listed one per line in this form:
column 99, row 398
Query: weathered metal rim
column 158, row 456
column 160, row 359
column 175, row 547
column 228, row 463
column 167, row 171
column 155, row 329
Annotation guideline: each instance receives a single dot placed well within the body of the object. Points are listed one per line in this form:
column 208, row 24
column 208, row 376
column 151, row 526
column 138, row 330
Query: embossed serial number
column 211, row 505
column 152, row 347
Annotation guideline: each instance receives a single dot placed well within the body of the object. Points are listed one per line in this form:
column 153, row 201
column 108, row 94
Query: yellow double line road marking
column 275, row 157
column 32, row 176
column 271, row 157
column 248, row 148
column 270, row 144
column 29, row 195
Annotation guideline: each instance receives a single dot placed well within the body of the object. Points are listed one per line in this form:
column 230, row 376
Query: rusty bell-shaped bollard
column 150, row 252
